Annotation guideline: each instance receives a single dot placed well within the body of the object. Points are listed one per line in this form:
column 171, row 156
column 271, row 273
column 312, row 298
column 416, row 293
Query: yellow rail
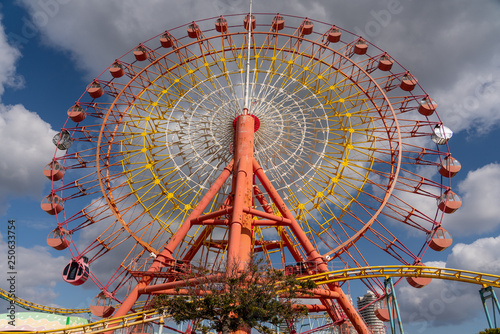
column 32, row 306
column 465, row 276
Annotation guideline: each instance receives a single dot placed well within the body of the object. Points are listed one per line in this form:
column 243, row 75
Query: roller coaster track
column 129, row 320
column 465, row 276
column 30, row 306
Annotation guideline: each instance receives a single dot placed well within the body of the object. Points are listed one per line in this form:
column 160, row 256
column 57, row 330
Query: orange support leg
column 312, row 254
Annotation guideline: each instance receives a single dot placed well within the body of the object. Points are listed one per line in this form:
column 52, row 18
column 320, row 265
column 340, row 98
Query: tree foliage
column 240, row 298
column 491, row 331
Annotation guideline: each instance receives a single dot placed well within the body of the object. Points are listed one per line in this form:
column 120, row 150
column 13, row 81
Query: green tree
column 491, row 331
column 254, row 297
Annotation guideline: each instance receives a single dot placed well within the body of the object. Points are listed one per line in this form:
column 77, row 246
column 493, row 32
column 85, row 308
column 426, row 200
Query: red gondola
column 360, row 47
column 449, row 202
column 278, row 22
column 59, row 239
column 334, row 35
column 418, row 282
column 221, row 25
column 76, row 271
column 427, row 106
column 141, row 53
column 101, row 306
column 253, row 22
column 53, row 171
column 166, row 40
column 95, row 90
column 385, row 63
column 193, row 30
column 449, row 167
column 52, row 204
column 116, row 70
column 381, row 310
column 408, row 83
column 76, row 113
column 306, row 28
column 441, row 240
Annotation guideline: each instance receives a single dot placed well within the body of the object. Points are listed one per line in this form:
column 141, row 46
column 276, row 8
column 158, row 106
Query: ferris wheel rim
column 103, row 171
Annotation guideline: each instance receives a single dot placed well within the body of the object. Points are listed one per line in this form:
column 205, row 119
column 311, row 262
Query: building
column 366, row 306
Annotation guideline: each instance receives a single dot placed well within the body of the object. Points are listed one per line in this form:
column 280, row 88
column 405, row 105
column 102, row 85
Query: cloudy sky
column 51, row 49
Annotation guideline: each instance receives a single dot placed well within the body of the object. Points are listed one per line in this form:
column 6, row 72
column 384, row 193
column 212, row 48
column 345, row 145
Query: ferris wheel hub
column 256, row 122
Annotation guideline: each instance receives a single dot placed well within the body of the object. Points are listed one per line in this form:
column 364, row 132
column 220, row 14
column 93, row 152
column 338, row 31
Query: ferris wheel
column 279, row 136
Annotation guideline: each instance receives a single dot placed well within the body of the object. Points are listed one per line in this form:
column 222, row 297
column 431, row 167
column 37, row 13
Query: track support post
column 393, row 307
column 488, row 293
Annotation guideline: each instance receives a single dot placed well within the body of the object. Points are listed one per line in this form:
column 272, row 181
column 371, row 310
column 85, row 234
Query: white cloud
column 443, row 303
column 421, row 37
column 446, row 45
column 95, row 38
column 472, row 102
column 440, row 303
column 37, row 272
column 480, row 192
column 25, row 139
column 482, row 255
column 8, row 57
column 26, row 145
column 438, row 264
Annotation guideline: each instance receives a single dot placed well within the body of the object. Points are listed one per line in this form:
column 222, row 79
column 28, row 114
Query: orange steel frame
column 243, row 168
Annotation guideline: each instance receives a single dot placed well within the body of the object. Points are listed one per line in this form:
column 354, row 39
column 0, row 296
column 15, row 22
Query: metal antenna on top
column 246, row 106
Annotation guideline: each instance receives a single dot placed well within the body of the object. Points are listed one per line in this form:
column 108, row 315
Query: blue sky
column 51, row 49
